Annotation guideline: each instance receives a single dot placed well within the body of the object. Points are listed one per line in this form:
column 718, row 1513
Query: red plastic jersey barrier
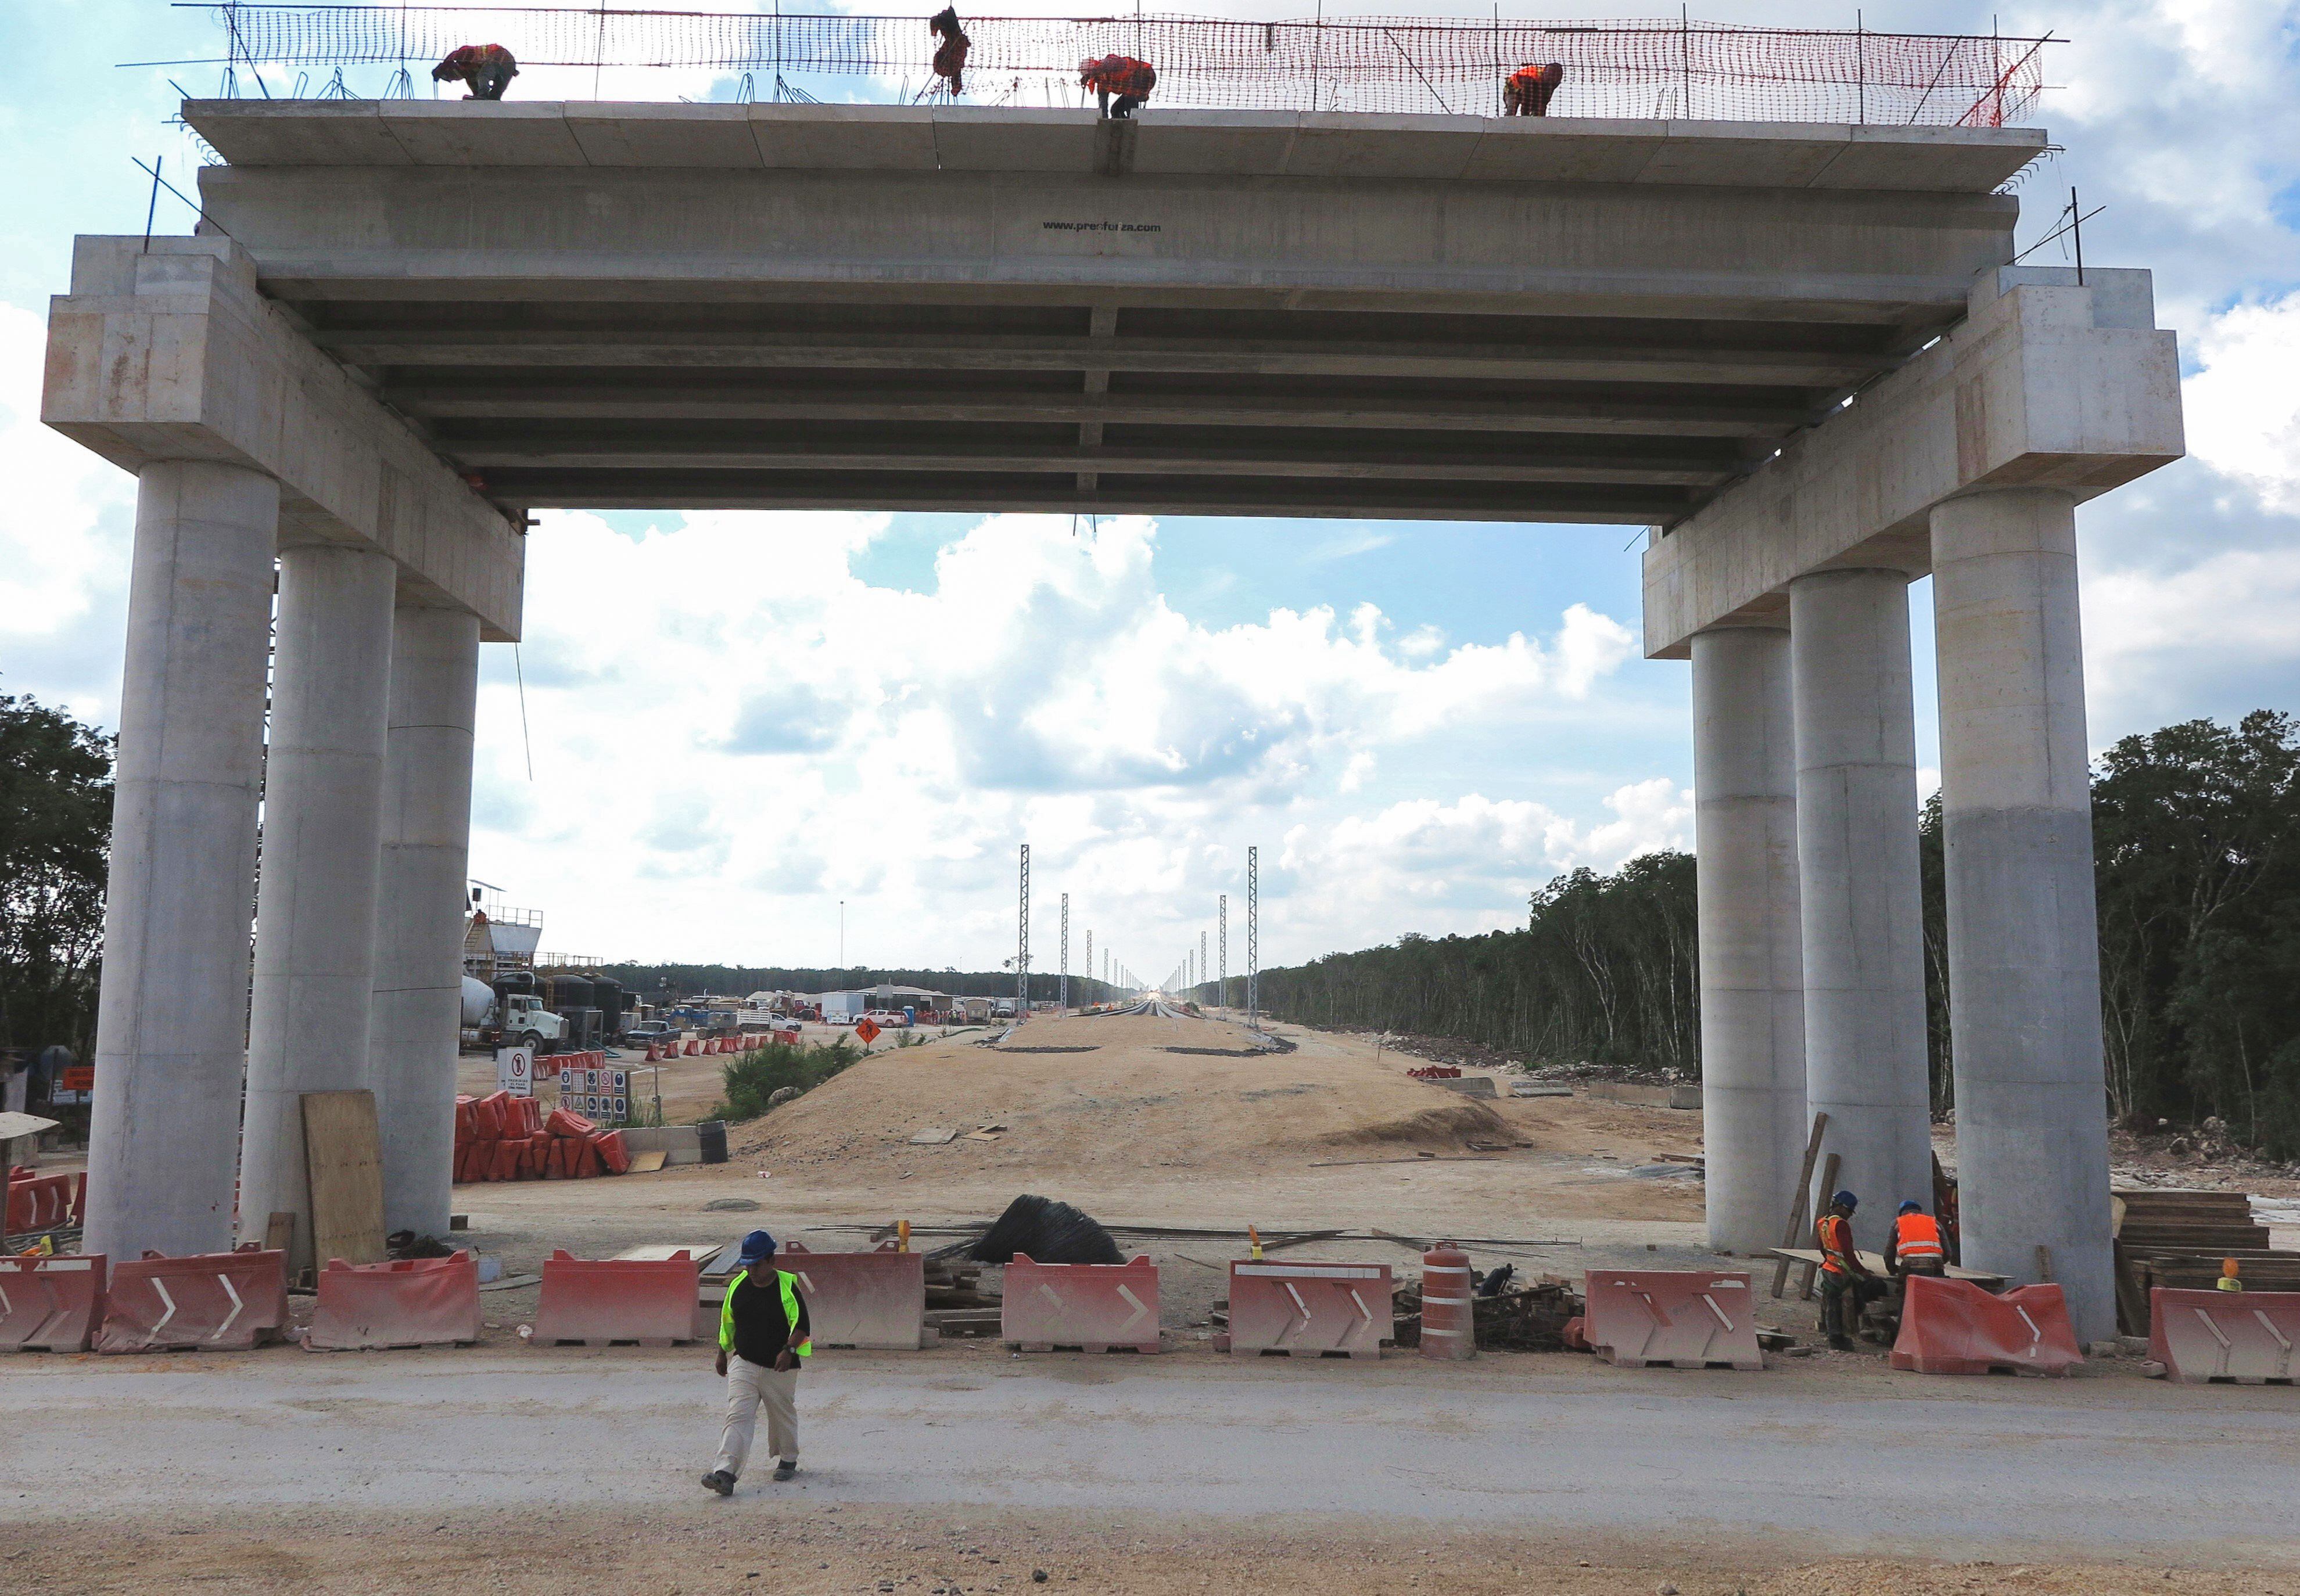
column 225, row 1301
column 606, row 1302
column 50, row 1304
column 1953, row 1327
column 1309, row 1309
column 411, row 1302
column 862, row 1299
column 2244, row 1337
column 1094, row 1307
column 1684, row 1319
column 39, row 1201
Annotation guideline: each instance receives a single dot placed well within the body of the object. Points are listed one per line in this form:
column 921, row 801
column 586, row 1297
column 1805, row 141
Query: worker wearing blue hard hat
column 764, row 1336
column 1914, row 1246
column 1846, row 1282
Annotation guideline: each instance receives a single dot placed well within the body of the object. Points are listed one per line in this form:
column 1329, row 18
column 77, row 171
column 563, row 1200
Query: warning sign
column 515, row 1071
column 869, row 1031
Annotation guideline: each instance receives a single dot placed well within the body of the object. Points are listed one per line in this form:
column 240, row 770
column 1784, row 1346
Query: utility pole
column 1202, row 955
column 1063, row 999
column 1254, row 938
column 1089, row 953
column 842, row 933
column 1022, row 954
column 1221, row 932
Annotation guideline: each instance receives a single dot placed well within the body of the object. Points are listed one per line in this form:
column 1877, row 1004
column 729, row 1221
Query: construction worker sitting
column 1529, row 89
column 1130, row 80
column 488, row 69
column 1913, row 1245
column 950, row 55
column 1846, row 1282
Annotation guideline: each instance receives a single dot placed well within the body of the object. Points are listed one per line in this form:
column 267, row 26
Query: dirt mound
column 1442, row 1128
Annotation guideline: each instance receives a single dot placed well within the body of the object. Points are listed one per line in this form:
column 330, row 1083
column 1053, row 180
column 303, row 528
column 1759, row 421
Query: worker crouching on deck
column 1914, row 1246
column 1846, row 1282
column 488, row 69
column 1531, row 88
column 1127, row 80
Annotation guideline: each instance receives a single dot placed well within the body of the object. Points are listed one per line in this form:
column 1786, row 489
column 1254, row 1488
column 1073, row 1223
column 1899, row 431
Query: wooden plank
column 1789, row 1237
column 343, row 1158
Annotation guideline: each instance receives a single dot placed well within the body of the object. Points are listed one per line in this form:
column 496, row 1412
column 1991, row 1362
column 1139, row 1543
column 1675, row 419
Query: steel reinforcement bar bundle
column 1703, row 70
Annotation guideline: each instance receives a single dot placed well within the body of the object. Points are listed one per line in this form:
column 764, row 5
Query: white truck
column 517, row 1019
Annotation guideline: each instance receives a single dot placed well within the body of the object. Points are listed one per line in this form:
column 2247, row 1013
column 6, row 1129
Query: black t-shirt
column 761, row 1329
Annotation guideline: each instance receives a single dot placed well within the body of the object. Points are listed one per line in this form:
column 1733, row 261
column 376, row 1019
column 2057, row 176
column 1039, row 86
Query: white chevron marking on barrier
column 2036, row 1336
column 161, row 1287
column 237, row 1306
column 1363, row 1311
column 1128, row 1292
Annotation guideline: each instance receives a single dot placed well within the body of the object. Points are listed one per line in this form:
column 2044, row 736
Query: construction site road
column 1547, row 1446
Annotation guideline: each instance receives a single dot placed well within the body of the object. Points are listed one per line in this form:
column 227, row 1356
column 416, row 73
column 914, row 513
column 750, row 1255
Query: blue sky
column 737, row 721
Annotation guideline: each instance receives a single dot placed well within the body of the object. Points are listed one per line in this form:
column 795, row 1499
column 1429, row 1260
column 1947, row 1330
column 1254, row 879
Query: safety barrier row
column 503, row 1137
column 409, row 1303
column 1683, row 1319
column 2242, row 1338
column 1953, row 1327
column 1092, row 1307
column 865, row 1299
column 1308, row 1310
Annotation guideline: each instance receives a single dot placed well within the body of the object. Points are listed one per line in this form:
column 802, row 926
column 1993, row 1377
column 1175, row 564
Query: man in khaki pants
column 763, row 1335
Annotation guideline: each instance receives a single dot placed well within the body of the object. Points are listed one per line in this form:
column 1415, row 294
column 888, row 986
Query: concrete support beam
column 419, row 937
column 2046, row 384
column 170, row 353
column 2023, row 948
column 315, row 906
column 172, row 1015
column 1753, row 1074
column 1858, row 886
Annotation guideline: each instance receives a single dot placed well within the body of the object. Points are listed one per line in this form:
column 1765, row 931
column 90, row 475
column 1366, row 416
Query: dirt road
column 965, row 1472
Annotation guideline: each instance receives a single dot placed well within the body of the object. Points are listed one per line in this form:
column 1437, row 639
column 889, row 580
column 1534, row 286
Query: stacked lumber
column 503, row 1137
column 2178, row 1238
column 956, row 1303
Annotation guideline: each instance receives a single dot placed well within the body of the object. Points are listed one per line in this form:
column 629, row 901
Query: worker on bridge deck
column 1846, row 1282
column 950, row 55
column 488, row 69
column 1130, row 80
column 1531, row 88
column 1914, row 1246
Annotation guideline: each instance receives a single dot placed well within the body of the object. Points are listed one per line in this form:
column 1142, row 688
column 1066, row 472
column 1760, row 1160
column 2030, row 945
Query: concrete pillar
column 172, row 1014
column 419, row 926
column 1858, row 885
column 1752, row 1085
column 315, row 906
column 2023, row 948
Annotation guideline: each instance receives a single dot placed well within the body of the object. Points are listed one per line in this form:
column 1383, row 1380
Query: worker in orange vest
column 488, row 69
column 1129, row 79
column 1914, row 1246
column 1846, row 1282
column 1531, row 88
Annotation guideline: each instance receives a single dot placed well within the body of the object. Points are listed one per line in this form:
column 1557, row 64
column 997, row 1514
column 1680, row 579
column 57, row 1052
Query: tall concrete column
column 172, row 1014
column 1858, row 886
column 2023, row 941
column 419, row 925
column 315, row 906
column 1753, row 1085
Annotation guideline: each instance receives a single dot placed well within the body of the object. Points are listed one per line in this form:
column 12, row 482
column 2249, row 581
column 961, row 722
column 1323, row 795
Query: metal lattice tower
column 1022, row 954
column 1222, row 947
column 1089, row 953
column 1254, row 938
column 1063, row 1000
column 1202, row 956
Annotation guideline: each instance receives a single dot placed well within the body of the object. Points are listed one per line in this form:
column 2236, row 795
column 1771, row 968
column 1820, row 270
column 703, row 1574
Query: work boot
column 785, row 1467
column 1843, row 1343
column 721, row 1481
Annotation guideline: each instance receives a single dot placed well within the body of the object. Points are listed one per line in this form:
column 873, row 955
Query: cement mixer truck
column 513, row 1020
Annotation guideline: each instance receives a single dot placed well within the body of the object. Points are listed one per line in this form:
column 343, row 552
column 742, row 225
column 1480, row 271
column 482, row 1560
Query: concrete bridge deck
column 1212, row 312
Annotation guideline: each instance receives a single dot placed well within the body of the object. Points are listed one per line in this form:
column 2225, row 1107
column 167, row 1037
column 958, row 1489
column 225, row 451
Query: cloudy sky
column 737, row 720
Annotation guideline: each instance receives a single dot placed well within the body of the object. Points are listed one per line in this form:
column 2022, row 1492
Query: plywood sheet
column 342, row 1154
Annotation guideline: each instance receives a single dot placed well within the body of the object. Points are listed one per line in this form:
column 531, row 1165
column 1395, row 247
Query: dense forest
column 740, row 980
column 2197, row 844
column 55, row 829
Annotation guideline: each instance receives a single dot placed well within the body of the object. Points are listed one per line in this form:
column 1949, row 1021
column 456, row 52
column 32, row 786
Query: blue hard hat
column 1912, row 1207
column 758, row 1245
column 1845, row 1200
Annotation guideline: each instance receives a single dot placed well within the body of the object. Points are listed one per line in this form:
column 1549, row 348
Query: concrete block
column 1959, row 160
column 1353, row 145
column 988, row 138
column 297, row 132
column 1525, row 149
column 483, row 133
column 678, row 136
column 1761, row 155
column 845, row 137
column 1227, row 143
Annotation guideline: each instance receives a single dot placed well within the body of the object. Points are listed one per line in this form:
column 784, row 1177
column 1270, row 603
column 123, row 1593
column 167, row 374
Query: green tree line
column 2197, row 853
column 55, row 829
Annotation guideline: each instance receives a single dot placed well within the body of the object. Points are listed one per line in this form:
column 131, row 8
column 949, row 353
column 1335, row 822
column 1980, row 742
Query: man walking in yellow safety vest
column 762, row 1336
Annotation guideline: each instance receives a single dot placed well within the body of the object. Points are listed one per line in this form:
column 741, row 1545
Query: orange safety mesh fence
column 1700, row 71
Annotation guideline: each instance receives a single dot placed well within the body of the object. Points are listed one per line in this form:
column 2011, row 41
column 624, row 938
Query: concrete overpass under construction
column 1799, row 352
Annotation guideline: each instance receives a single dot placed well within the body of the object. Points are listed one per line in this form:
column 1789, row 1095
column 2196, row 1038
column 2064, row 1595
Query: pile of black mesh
column 1046, row 1232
